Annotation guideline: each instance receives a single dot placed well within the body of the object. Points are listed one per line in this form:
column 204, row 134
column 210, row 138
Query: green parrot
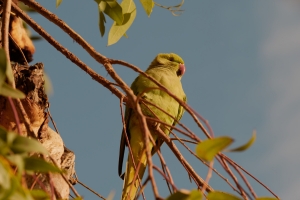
column 167, row 69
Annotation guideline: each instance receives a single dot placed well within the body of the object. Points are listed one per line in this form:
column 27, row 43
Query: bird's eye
column 171, row 59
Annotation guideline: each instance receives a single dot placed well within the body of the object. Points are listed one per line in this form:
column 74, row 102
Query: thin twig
column 107, row 64
column 165, row 166
column 147, row 134
column 5, row 31
column 229, row 160
column 77, row 180
column 66, row 52
column 129, row 147
column 16, row 45
column 136, row 176
column 185, row 140
column 208, row 176
column 179, row 156
column 244, row 179
column 26, row 120
column 12, row 105
column 49, row 114
column 167, row 178
column 193, row 153
column 227, row 168
column 65, row 178
column 183, row 104
column 143, row 187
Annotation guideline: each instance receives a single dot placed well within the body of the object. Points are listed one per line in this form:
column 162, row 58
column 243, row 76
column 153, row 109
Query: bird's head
column 171, row 61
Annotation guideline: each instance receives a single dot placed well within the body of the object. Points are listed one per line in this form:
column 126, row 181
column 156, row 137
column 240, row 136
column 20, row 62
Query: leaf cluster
column 122, row 14
column 15, row 162
column 6, row 74
column 19, row 155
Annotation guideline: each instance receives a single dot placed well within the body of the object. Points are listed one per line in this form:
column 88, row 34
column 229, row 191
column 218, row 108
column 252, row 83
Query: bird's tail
column 130, row 188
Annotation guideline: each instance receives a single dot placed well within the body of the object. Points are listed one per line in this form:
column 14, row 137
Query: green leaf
column 208, row 149
column 111, row 8
column 48, row 85
column 20, row 192
column 117, row 31
column 8, row 91
column 78, row 198
column 5, row 173
column 102, row 22
column 4, row 147
column 35, row 38
column 148, row 6
column 25, row 7
column 26, row 145
column 39, row 165
column 185, row 195
column 18, row 160
column 247, row 145
column 219, row 195
column 58, row 2
column 39, row 195
column 3, row 66
column 266, row 198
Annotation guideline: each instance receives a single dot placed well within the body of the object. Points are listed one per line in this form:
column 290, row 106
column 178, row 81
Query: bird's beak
column 181, row 70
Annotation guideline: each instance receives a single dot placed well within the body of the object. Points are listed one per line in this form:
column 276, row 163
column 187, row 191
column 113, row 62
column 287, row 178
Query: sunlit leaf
column 209, row 148
column 25, row 7
column 247, row 145
column 111, row 8
column 102, row 22
column 6, row 138
column 4, row 147
column 17, row 160
column 8, row 91
column 39, row 195
column 19, row 192
column 5, row 173
column 35, row 38
column 10, row 193
column 219, row 195
column 48, row 84
column 117, row 31
column 185, row 195
column 26, row 145
column 195, row 195
column 78, row 198
column 148, row 6
column 3, row 65
column 39, row 165
column 58, row 2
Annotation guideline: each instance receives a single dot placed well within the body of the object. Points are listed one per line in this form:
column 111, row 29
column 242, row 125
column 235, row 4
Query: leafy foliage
column 209, row 148
column 247, row 145
column 185, row 195
column 119, row 30
column 6, row 73
column 16, row 162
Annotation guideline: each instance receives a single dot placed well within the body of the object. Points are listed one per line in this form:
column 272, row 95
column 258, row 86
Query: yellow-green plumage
column 167, row 69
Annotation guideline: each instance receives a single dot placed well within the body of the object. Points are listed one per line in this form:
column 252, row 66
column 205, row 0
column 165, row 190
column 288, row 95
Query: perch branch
column 66, row 52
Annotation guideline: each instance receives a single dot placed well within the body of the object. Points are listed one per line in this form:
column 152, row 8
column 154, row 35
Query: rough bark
column 30, row 80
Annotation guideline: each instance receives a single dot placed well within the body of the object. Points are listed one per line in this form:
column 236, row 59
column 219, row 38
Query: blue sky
column 242, row 73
